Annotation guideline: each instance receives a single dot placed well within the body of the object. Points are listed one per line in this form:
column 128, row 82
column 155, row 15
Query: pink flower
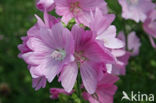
column 150, row 26
column 105, row 34
column 56, row 91
column 105, row 90
column 133, row 42
column 78, row 9
column 47, row 5
column 136, row 9
column 46, row 49
column 103, row 31
column 87, row 53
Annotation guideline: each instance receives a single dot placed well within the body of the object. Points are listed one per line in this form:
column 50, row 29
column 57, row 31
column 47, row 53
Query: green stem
column 79, row 86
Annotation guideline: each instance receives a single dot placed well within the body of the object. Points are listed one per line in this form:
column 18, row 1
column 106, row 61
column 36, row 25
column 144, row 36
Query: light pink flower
column 136, row 9
column 103, row 31
column 47, row 5
column 150, row 26
column 78, row 9
column 87, row 53
column 105, row 90
column 46, row 49
column 56, row 91
column 105, row 34
column 133, row 42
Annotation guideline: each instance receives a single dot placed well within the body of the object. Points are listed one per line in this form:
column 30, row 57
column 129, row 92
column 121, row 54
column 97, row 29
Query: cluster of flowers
column 90, row 48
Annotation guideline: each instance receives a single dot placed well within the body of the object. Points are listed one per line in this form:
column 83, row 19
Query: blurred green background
column 17, row 16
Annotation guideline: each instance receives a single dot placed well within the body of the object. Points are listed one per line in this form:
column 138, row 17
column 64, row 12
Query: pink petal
column 108, row 79
column 118, row 52
column 96, row 53
column 91, row 4
column 48, row 68
column 51, row 70
column 99, row 22
column 36, row 45
column 68, row 76
column 109, row 32
column 89, row 77
column 152, row 42
column 77, row 33
column 56, row 91
column 45, row 5
column 133, row 43
column 49, row 20
column 33, row 58
column 38, row 83
column 113, row 43
column 106, row 93
column 122, row 37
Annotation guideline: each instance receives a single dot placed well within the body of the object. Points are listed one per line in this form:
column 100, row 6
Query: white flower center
column 58, row 55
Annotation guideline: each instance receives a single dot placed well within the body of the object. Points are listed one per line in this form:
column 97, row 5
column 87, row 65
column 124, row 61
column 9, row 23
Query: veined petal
column 51, row 70
column 96, row 53
column 89, row 77
column 37, row 46
column 106, row 92
column 99, row 22
column 68, row 76
column 108, row 79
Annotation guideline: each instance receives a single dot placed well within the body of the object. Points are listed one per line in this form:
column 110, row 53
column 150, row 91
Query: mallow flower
column 48, row 5
column 78, row 9
column 105, row 34
column 49, row 20
column 133, row 42
column 87, row 53
column 105, row 90
column 150, row 26
column 46, row 49
column 136, row 9
column 122, row 55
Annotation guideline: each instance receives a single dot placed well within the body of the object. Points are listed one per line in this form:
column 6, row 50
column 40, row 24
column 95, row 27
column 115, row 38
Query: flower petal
column 68, row 76
column 38, row 83
column 89, row 77
column 95, row 53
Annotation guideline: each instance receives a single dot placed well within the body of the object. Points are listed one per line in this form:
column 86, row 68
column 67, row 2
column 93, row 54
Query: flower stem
column 79, row 86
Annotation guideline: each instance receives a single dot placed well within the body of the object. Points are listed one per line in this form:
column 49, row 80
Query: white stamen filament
column 58, row 54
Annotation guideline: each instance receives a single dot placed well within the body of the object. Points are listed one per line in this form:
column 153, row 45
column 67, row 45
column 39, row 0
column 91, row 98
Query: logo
column 137, row 96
